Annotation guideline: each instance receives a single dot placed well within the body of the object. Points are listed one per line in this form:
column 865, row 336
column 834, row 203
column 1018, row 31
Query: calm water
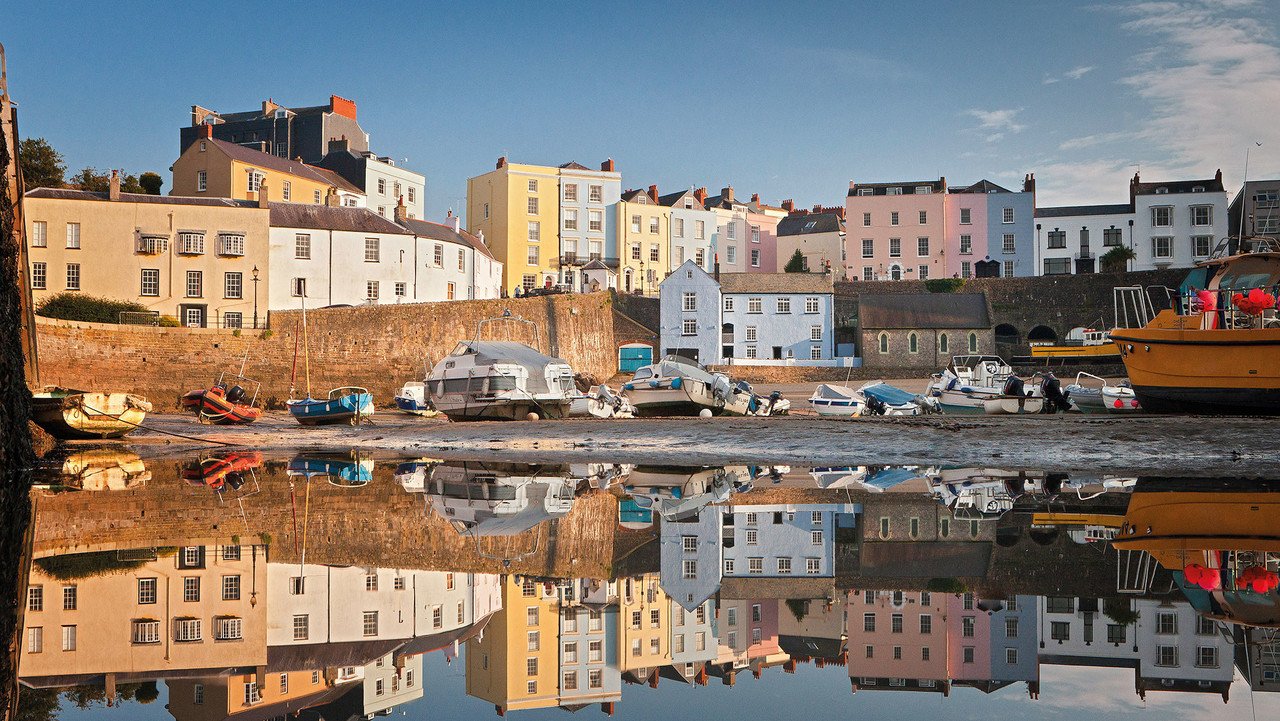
column 337, row 586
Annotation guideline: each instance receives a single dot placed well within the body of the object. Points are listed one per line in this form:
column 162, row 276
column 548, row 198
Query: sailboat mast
column 306, row 349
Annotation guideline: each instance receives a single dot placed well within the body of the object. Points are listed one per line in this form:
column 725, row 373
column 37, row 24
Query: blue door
column 633, row 357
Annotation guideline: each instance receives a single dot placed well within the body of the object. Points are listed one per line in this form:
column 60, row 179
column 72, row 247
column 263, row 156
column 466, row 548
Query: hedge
column 87, row 308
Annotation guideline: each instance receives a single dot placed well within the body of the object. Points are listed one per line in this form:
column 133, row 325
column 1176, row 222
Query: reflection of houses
column 910, row 535
column 992, row 644
column 814, row 630
column 497, row 499
column 387, row 682
column 588, row 644
column 246, row 697
column 130, row 614
column 644, row 632
column 1257, row 657
column 898, row 641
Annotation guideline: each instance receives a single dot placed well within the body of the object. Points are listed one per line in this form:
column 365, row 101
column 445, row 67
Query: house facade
column 782, row 541
column 1073, row 239
column 1176, row 223
column 452, row 263
column 762, row 236
column 300, row 132
column 192, row 259
column 217, row 169
column 729, row 247
column 1255, row 211
column 1010, row 229
column 644, row 241
column 922, row 330
column 896, row 230
column 385, row 184
column 589, row 218
column 693, row 229
column 819, row 235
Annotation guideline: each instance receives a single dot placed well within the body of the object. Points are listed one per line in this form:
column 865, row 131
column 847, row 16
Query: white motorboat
column 968, row 381
column 412, row 399
column 1093, row 394
column 845, row 402
column 500, row 380
column 676, row 386
column 1012, row 405
column 600, row 402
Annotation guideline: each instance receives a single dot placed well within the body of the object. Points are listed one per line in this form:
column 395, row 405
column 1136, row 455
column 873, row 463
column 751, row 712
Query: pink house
column 966, row 231
column 896, row 231
column 762, row 237
column 969, row 639
column 897, row 641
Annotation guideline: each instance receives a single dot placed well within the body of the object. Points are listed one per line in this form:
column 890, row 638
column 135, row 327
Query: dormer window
column 923, row 190
column 866, row 191
column 1198, row 189
column 893, row 191
column 1162, row 191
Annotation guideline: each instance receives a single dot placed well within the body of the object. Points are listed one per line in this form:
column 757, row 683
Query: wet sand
column 1129, row 445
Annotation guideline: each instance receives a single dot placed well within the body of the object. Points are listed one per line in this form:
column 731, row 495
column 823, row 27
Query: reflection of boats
column 1097, row 395
column 1012, row 405
column 843, row 401
column 984, row 493
column 501, row 381
column 104, row 469
column 1080, row 344
column 875, row 479
column 226, row 402
column 678, row 386
column 678, row 492
column 1218, row 351
column 222, row 470
column 496, row 499
column 70, row 414
column 348, row 470
column 968, row 381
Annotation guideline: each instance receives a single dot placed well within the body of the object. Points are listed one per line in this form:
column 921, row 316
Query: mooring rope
column 157, row 430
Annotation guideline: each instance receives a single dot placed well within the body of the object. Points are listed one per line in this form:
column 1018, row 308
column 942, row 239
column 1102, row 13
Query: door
column 633, row 356
column 191, row 316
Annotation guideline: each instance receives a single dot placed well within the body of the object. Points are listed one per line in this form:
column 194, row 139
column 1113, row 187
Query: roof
column 507, row 351
column 1063, row 211
column 798, row 224
column 670, row 199
column 308, row 656
column 908, row 188
column 982, row 186
column 572, row 165
column 70, row 194
column 284, row 165
column 938, row 559
column 632, row 196
column 437, row 641
column 440, row 231
column 257, row 114
column 597, row 264
column 923, row 310
column 739, row 587
column 775, row 283
column 325, row 217
column 1210, row 185
column 811, row 646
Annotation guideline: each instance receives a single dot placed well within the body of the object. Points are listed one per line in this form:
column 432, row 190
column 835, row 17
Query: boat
column 412, row 399
column 875, row 398
column 220, row 471
column 677, row 493
column 600, row 402
column 69, row 414
column 678, row 386
column 348, row 404
column 226, row 402
column 1216, row 350
column 1081, row 344
column 501, row 381
column 1012, row 405
column 497, row 499
column 1094, row 394
column 977, row 494
column 968, row 381
column 346, row 470
column 104, row 469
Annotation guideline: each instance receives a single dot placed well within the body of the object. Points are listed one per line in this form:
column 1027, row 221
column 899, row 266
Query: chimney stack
column 1218, row 175
column 402, row 213
column 113, row 191
column 653, row 193
column 701, row 195
column 263, row 202
column 331, row 198
column 1029, row 183
column 607, row 166
column 817, row 207
column 339, row 144
column 727, row 193
column 453, row 221
column 755, row 198
column 502, row 161
column 789, row 205
column 206, row 131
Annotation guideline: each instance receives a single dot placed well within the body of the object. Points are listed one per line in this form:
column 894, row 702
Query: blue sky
column 790, row 101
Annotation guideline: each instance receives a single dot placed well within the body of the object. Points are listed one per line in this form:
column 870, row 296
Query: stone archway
column 1042, row 334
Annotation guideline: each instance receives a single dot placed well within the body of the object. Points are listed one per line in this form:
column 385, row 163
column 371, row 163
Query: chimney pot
column 113, row 190
column 502, row 161
column 402, row 213
column 331, row 198
column 206, row 131
column 457, row 225
column 755, row 197
column 701, row 195
column 727, row 193
column 789, row 205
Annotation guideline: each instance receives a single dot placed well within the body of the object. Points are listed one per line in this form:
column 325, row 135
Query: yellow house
column 211, row 168
column 516, row 664
column 266, row 695
column 194, row 259
column 644, row 624
column 644, row 240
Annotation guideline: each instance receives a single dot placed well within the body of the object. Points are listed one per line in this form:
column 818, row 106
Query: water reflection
column 316, row 585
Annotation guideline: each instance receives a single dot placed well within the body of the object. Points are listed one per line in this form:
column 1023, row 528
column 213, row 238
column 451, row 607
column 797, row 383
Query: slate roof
column 632, row 196
column 823, row 223
column 572, row 165
column 70, row 194
column 1062, row 211
column 284, row 165
column 908, row 188
column 775, row 283
column 982, row 186
column 1210, row 185
column 923, row 310
column 811, row 646
column 743, row 588
column 308, row 656
column 324, row 217
column 670, row 199
column 258, row 114
column 440, row 231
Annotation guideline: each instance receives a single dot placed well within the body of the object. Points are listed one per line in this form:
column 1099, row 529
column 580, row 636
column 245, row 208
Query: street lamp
column 255, row 296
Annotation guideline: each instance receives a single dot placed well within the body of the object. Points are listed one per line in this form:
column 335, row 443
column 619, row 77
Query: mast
column 306, row 350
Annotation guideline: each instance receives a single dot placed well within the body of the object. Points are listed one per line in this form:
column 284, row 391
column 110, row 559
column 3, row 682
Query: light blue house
column 589, row 654
column 781, row 540
column 748, row 318
column 1011, row 228
column 1015, row 643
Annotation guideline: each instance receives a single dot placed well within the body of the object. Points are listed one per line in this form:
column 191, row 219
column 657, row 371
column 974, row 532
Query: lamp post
column 255, row 296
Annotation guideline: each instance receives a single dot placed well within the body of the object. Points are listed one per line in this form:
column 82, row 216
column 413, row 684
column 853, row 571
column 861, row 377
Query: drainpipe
column 330, row 268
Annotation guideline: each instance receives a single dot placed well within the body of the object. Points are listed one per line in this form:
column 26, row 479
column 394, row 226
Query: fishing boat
column 968, row 382
column 1094, row 394
column 678, row 386
column 1012, row 405
column 226, row 402
column 347, row 470
column 875, row 398
column 412, row 399
column 983, row 493
column 348, row 404
column 68, row 414
column 1216, row 350
column 1081, row 344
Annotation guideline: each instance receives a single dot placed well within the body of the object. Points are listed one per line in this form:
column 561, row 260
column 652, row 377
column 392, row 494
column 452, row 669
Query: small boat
column 348, row 404
column 104, row 469
column 412, row 399
column 678, row 386
column 1012, row 405
column 68, row 414
column 220, row 471
column 1100, row 395
column 968, row 381
column 601, row 402
column 1081, row 344
column 226, row 402
column 875, row 398
column 344, row 470
column 500, row 381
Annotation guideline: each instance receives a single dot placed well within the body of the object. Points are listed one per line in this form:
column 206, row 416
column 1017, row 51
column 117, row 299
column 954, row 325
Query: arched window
column 913, row 343
column 973, row 342
column 944, row 346
column 884, row 342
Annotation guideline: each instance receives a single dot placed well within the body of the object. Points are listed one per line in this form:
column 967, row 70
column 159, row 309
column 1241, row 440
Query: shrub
column 168, row 321
column 944, row 285
column 1116, row 260
column 946, row 585
column 1119, row 610
column 87, row 308
column 266, row 334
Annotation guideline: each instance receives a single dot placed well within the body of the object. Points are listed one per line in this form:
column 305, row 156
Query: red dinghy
column 226, row 402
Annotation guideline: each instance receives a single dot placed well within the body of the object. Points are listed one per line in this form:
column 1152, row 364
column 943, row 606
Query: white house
column 1073, row 239
column 385, row 184
column 1178, row 223
column 748, row 318
column 452, row 263
column 693, row 228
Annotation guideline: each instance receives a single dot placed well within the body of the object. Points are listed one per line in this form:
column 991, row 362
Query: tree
column 91, row 180
column 150, row 182
column 42, row 166
column 796, row 264
column 1117, row 259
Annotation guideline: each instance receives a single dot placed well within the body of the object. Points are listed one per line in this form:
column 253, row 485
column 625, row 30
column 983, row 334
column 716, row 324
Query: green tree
column 1117, row 259
column 796, row 264
column 90, row 179
column 129, row 183
column 42, row 166
column 150, row 182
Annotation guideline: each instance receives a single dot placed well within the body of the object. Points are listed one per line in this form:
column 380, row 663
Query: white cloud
column 1089, row 141
column 1073, row 74
column 995, row 124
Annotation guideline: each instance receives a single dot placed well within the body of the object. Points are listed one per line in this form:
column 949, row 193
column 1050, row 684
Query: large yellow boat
column 1214, row 351
column 1081, row 344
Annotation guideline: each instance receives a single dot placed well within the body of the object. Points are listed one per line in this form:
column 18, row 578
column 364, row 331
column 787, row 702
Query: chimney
column 701, row 195
column 268, row 108
column 1133, row 189
column 607, row 166
column 113, row 191
column 453, row 221
column 653, row 193
column 607, row 708
column 817, row 207
column 263, row 195
column 727, row 193
column 1029, row 183
column 339, row 105
column 331, row 198
column 339, row 145
column 755, row 198
column 502, row 161
column 716, row 266
column 1218, row 175
column 789, row 205
column 206, row 131
column 402, row 213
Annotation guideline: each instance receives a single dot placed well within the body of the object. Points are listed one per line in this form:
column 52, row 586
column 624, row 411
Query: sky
column 790, row 101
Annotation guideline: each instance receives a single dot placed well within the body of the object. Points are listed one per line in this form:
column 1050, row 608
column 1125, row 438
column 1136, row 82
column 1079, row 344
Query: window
column 370, row 623
column 783, row 304
column 926, row 624
column 595, row 651
column 866, row 219
column 1007, row 244
column 286, row 190
column 753, row 537
column 191, row 589
column 1201, row 245
column 73, row 235
column 1167, row 624
column 570, row 219
column 231, row 588
column 967, row 626
column 382, row 186
column 1167, row 656
column 595, row 220
column 966, row 216
column 1006, row 269
column 531, row 616
column 1206, row 657
column 913, row 343
column 570, row 681
column 232, row 284
column 653, row 227
column 595, row 193
column 301, row 627
column 35, row 639
column 689, row 327
column 884, row 526
column 1060, row 631
column 700, row 231
column 728, row 566
column 372, row 250
column 868, row 273
column 532, row 206
column 1057, row 239
column 968, row 601
column 570, row 647
column 146, row 631
column 528, row 280
column 228, row 628
column 868, row 247
column 195, row 283
column 731, row 254
column 1011, row 628
column 784, row 565
column 39, row 275
column 150, row 282
column 731, row 230
column 533, row 642
column 299, row 287
column 1202, row 215
column 893, row 218
column 188, row 630
column 755, row 565
column 1007, row 215
column 895, row 247
column 754, row 305
column 255, row 181
column 1162, row 247
column 533, row 255
column 252, row 695
column 371, row 290
column 1205, row 626
column 437, row 255
column 869, row 622
column 571, row 192
column 1111, row 237
column 1057, row 266
column 1161, row 216
column 654, row 252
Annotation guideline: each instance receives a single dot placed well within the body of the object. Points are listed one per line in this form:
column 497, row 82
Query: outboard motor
column 235, row 394
column 1013, row 386
column 742, row 387
column 720, row 387
column 1055, row 399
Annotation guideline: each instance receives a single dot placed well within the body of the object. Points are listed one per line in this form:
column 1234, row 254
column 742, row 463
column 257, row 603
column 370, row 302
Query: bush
column 944, row 285
column 168, row 321
column 87, row 308
column 1116, row 260
column 1119, row 611
column 946, row 585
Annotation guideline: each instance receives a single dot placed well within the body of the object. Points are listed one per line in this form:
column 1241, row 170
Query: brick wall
column 928, row 357
column 378, row 347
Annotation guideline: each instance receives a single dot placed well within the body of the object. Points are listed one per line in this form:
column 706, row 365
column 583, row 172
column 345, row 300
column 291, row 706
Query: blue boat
column 344, row 405
column 347, row 471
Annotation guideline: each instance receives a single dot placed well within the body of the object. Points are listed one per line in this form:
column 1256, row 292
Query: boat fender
column 628, row 387
column 653, row 384
column 676, row 383
column 951, row 384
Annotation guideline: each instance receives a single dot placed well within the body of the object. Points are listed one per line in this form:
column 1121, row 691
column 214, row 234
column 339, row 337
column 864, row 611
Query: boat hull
column 216, row 409
column 332, row 411
column 502, row 410
column 78, row 415
column 1013, row 405
column 655, row 402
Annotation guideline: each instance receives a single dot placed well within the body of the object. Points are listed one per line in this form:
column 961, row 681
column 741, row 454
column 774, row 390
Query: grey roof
column 573, row 165
column 70, row 194
column 923, row 310
column 596, row 264
column 283, row 165
column 938, row 559
column 256, row 114
column 982, row 186
column 325, row 217
column 670, row 199
column 1073, row 210
column 440, row 231
column 437, row 641
column 1209, row 185
column 908, row 188
column 811, row 646
column 798, row 224
column 776, row 283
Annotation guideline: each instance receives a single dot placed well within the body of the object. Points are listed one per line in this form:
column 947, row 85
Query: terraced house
column 693, row 228
column 645, row 241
